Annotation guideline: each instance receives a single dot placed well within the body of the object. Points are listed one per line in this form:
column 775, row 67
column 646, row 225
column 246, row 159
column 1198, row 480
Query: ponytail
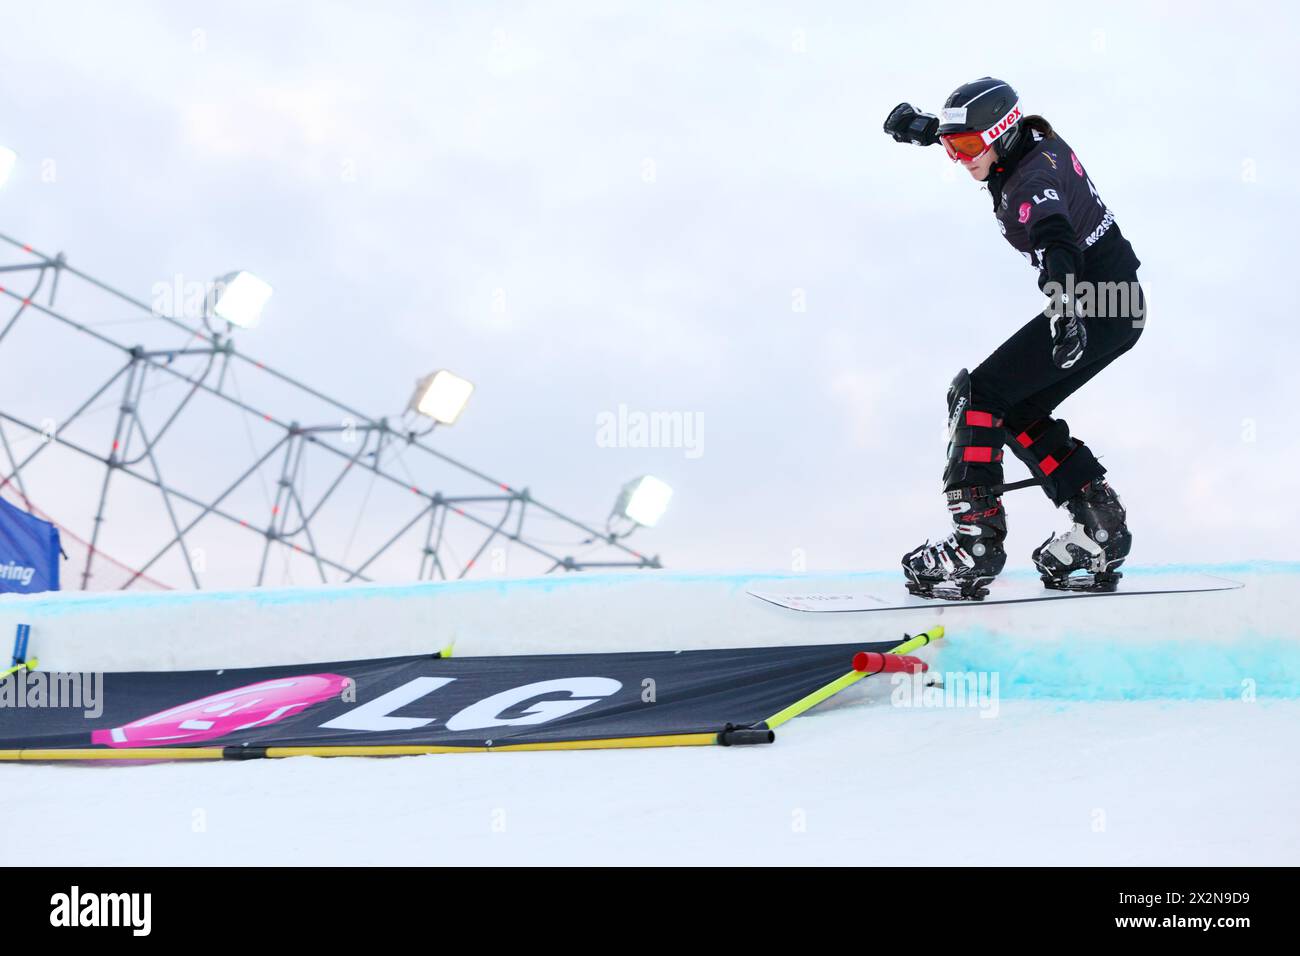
column 1038, row 125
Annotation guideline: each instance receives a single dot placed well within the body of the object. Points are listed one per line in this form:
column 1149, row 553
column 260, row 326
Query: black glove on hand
column 1069, row 336
column 906, row 125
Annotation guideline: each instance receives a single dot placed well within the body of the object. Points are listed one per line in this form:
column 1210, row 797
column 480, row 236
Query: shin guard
column 1062, row 464
column 975, row 439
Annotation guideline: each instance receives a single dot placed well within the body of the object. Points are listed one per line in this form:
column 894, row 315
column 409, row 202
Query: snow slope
column 1129, row 730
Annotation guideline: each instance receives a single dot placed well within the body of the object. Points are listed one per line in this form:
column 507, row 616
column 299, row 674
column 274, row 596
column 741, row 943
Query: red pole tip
column 868, row 661
column 889, row 663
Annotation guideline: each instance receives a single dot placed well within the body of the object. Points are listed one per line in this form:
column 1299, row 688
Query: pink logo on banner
column 1078, row 170
column 240, row 709
column 1024, row 211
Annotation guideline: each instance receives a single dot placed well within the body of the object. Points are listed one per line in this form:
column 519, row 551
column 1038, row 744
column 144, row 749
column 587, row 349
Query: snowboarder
column 1049, row 210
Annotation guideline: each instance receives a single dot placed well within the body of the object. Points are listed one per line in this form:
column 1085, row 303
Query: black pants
column 1020, row 385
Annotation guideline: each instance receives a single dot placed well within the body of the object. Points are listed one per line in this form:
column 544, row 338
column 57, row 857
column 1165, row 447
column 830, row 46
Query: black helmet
column 986, row 106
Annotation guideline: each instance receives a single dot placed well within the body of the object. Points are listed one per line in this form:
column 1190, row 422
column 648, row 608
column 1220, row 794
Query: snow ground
column 1043, row 783
column 1131, row 741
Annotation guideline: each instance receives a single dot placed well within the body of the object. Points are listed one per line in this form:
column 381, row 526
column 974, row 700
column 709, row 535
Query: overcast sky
column 688, row 207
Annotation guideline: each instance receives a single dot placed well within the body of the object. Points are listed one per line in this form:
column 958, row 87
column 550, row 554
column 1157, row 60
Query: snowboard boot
column 960, row 567
column 1085, row 558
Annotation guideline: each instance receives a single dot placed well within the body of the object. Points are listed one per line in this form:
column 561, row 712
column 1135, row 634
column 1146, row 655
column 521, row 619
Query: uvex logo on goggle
column 1002, row 125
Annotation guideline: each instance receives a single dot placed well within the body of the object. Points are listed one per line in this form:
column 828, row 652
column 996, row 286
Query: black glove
column 1069, row 335
column 906, row 125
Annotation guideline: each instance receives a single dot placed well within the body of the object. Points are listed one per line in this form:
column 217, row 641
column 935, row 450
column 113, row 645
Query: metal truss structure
column 184, row 399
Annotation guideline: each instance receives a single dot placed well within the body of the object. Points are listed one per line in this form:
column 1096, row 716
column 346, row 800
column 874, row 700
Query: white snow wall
column 1212, row 645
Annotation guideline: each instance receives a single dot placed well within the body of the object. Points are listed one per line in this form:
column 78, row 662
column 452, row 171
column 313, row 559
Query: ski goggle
column 968, row 145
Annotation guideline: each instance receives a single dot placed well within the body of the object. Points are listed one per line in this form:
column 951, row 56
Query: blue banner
column 29, row 552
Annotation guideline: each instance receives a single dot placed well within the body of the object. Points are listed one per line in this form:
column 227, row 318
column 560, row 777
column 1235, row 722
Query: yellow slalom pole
column 378, row 750
column 919, row 641
column 400, row 750
column 115, row 753
column 620, row 743
column 815, row 698
column 29, row 664
column 848, row 680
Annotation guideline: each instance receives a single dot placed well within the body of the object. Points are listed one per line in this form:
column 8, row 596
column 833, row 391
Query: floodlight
column 240, row 297
column 441, row 395
column 643, row 500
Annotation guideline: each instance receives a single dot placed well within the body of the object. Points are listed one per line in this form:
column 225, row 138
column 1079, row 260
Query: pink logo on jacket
column 1024, row 211
column 255, row 705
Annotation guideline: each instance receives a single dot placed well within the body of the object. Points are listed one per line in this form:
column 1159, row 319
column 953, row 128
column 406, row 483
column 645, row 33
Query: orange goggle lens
column 963, row 145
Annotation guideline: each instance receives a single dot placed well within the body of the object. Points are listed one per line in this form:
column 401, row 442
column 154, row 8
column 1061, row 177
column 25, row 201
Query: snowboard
column 893, row 596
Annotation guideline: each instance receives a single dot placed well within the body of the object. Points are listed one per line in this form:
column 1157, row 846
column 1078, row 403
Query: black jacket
column 1050, row 212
